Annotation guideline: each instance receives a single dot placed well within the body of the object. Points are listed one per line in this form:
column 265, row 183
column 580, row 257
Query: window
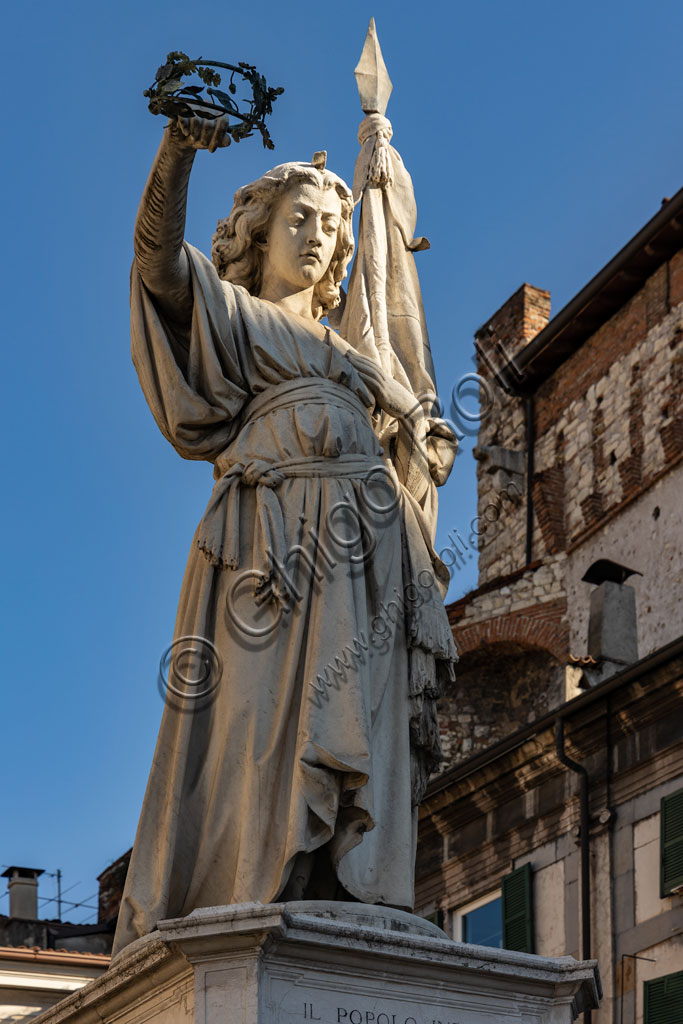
column 671, row 848
column 503, row 919
column 480, row 922
column 663, row 999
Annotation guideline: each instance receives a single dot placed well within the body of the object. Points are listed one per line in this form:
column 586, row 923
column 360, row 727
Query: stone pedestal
column 341, row 963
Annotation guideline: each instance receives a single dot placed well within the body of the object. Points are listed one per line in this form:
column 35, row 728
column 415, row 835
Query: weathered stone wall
column 534, row 591
column 503, row 427
column 607, row 483
column 483, row 704
column 610, row 420
column 610, row 452
column 512, row 640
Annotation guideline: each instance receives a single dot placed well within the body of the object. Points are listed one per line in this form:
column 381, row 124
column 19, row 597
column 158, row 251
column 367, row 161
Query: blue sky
column 540, row 138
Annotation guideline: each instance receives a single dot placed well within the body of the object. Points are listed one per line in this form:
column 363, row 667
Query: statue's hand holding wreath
column 160, row 224
column 200, row 132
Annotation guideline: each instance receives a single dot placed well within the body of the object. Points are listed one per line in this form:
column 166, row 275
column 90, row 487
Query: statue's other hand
column 442, row 446
column 390, row 395
column 201, row 133
column 393, row 398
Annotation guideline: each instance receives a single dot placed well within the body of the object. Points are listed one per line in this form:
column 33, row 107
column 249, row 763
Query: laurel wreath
column 170, row 96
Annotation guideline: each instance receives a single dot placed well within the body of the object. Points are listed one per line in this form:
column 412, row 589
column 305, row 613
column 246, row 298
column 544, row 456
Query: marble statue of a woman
column 311, row 576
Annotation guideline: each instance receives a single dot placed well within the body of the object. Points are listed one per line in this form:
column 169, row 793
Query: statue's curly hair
column 236, row 252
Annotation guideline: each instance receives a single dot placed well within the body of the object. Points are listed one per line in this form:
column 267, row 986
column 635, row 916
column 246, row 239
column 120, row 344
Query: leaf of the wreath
column 171, row 108
column 241, row 131
column 223, row 98
column 193, row 90
column 172, row 85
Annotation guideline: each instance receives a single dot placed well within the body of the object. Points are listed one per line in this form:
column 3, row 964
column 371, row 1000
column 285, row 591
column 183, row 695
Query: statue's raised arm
column 160, row 223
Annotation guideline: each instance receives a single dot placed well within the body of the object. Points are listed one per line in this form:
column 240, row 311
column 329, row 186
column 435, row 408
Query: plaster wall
column 549, row 921
column 602, row 925
column 646, row 857
column 647, row 536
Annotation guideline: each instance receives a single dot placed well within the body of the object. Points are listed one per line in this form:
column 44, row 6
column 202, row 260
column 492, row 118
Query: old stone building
column 557, row 823
column 44, row 959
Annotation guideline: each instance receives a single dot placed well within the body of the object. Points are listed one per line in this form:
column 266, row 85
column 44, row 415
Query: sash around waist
column 259, row 472
column 218, row 532
column 316, row 391
column 312, row 390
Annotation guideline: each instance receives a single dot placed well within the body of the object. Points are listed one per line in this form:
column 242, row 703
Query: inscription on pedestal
column 358, row 1015
column 324, row 998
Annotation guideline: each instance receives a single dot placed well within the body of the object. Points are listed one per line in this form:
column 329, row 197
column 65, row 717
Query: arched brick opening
column 541, row 627
column 502, row 684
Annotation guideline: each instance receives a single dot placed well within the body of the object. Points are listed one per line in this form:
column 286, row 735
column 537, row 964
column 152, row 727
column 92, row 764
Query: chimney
column 508, row 331
column 612, row 626
column 23, row 892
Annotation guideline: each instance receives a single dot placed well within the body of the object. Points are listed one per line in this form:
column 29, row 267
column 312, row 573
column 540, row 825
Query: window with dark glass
column 504, row 919
column 484, row 925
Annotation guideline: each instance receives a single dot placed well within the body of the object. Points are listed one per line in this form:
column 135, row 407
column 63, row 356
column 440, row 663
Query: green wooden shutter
column 664, row 999
column 518, row 911
column 671, row 849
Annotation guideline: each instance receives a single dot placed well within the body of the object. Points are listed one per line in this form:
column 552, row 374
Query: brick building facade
column 562, row 768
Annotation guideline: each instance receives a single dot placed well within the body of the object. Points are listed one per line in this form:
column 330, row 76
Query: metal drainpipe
column 584, row 840
column 530, row 444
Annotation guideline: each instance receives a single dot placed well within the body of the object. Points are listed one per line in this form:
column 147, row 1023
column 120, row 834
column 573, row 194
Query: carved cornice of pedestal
column 257, row 964
column 142, row 967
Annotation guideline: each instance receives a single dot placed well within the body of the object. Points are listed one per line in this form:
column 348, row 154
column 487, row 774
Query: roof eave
column 610, row 289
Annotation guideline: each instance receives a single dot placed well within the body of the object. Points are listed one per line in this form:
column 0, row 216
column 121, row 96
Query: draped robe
column 321, row 730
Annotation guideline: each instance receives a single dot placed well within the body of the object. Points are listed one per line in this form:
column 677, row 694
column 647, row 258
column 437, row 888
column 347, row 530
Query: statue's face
column 302, row 236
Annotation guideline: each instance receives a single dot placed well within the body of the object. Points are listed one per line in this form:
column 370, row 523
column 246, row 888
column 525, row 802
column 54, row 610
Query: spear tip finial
column 372, row 77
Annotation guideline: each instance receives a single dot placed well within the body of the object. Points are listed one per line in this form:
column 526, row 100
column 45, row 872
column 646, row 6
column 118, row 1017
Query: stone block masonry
column 616, row 410
column 607, row 465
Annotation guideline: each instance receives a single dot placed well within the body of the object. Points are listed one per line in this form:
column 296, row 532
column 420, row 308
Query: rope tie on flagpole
column 379, row 170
